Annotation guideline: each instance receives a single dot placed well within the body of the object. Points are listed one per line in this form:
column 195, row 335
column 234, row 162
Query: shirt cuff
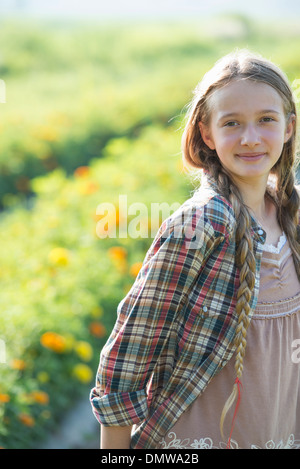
column 119, row 409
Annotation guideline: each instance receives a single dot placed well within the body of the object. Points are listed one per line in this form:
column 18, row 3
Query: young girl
column 222, row 273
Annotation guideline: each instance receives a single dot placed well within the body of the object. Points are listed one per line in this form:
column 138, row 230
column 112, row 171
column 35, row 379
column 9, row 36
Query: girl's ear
column 206, row 136
column 290, row 127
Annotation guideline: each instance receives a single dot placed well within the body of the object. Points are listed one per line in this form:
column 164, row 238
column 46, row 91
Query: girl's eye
column 267, row 119
column 230, row 124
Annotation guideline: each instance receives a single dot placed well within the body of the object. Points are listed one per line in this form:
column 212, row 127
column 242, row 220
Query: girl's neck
column 254, row 196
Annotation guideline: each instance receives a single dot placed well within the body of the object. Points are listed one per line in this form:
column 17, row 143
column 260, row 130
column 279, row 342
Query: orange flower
column 54, row 342
column 4, row 398
column 18, row 364
column 40, row 397
column 135, row 268
column 88, row 187
column 97, row 329
column 26, row 420
column 82, row 171
column 117, row 253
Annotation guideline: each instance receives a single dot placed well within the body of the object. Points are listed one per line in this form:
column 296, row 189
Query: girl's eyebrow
column 236, row 114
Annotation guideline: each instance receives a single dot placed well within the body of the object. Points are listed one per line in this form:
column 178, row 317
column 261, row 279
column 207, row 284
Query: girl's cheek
column 231, row 139
column 273, row 134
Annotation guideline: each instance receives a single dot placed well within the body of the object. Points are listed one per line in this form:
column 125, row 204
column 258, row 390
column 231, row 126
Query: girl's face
column 247, row 128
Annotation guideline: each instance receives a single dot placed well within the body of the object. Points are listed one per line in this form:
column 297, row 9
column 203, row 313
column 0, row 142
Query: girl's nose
column 250, row 136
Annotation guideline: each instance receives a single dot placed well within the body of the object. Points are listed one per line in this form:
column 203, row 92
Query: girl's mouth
column 251, row 156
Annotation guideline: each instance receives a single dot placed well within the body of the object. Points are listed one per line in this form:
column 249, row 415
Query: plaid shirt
column 176, row 326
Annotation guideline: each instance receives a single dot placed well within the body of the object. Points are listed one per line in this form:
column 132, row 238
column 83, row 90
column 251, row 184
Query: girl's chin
column 250, row 174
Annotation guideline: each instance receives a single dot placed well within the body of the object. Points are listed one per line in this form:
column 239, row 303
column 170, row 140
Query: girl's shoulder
column 205, row 208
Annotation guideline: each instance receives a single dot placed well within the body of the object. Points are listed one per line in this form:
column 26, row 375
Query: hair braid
column 245, row 262
column 288, row 213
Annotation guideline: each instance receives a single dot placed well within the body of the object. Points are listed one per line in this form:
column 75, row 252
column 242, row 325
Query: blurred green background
column 94, row 110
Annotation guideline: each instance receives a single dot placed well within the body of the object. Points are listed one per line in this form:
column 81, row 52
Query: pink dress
column 269, row 410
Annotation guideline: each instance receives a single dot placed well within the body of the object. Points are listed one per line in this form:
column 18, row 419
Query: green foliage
column 57, row 275
column 92, row 114
column 71, row 89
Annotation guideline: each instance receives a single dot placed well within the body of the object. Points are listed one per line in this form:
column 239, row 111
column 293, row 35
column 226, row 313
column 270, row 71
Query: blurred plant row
column 70, row 90
column 61, row 283
column 91, row 114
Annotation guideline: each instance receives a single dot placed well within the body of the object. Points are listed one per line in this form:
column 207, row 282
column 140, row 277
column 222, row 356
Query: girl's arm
column 145, row 319
column 115, row 437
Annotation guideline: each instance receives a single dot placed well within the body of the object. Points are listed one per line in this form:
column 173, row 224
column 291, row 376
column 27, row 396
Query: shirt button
column 204, row 309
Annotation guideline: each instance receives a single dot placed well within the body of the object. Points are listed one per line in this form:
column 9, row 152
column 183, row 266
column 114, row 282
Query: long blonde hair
column 242, row 64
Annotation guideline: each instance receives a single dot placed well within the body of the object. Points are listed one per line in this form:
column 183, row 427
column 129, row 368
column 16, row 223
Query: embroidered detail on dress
column 280, row 308
column 276, row 249
column 290, row 444
column 207, row 443
column 276, row 315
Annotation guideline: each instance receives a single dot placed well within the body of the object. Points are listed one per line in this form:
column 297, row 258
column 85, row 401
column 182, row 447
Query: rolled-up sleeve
column 146, row 317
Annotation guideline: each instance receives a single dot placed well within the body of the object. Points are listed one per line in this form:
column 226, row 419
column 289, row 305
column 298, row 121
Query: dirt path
column 79, row 430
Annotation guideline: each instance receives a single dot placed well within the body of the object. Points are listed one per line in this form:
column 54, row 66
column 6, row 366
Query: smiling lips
column 251, row 156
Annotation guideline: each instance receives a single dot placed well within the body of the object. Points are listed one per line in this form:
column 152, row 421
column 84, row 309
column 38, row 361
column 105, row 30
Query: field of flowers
column 93, row 117
column 61, row 280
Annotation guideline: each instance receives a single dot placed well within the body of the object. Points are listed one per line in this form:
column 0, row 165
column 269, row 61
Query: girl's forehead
column 245, row 95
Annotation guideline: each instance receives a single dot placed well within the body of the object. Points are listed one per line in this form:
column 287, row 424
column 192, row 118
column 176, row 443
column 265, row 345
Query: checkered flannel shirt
column 175, row 327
